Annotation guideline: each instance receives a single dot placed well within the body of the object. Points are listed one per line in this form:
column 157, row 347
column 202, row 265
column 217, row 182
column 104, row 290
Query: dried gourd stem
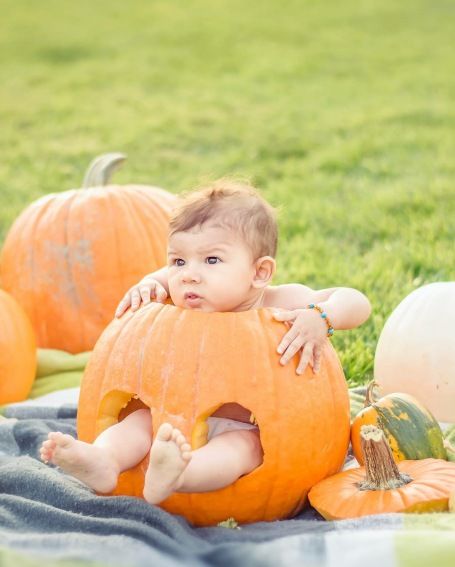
column 100, row 170
column 381, row 470
column 369, row 396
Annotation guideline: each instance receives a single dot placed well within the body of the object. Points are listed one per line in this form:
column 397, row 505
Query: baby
column 221, row 257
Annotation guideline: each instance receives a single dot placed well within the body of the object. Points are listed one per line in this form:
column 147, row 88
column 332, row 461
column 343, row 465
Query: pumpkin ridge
column 111, row 202
column 335, row 405
column 34, row 307
column 105, row 377
column 143, row 335
column 264, row 315
column 73, row 263
column 156, row 248
column 162, row 330
column 120, row 334
column 57, row 254
column 144, row 193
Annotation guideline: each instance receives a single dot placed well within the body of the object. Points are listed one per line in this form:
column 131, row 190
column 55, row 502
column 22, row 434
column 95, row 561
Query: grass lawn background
column 341, row 112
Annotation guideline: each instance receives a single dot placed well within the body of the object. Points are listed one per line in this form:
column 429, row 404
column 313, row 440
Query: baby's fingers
column 317, row 356
column 291, row 350
column 307, row 354
column 123, row 305
column 284, row 315
column 135, row 299
column 288, row 338
column 160, row 294
column 146, row 293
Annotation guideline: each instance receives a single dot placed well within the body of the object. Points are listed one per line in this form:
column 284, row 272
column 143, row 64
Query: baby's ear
column 264, row 270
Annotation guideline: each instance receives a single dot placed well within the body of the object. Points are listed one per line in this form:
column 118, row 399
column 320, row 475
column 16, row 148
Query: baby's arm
column 152, row 286
column 345, row 308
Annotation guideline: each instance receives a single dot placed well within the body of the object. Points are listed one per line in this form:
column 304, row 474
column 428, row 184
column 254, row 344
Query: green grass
column 340, row 111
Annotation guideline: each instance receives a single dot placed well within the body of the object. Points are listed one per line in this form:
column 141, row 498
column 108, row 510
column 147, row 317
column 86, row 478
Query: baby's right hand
column 145, row 291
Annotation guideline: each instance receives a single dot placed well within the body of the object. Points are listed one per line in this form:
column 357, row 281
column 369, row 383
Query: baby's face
column 210, row 269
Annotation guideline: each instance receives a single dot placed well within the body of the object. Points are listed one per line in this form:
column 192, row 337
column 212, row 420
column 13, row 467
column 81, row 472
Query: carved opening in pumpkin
column 116, row 405
column 228, row 410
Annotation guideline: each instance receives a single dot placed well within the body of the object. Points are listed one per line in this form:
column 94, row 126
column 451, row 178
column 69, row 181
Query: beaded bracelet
column 330, row 329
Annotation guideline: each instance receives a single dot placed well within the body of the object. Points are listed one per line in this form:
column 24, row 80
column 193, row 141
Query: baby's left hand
column 308, row 333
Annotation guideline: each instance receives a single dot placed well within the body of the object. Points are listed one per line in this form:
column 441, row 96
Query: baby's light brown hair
column 233, row 205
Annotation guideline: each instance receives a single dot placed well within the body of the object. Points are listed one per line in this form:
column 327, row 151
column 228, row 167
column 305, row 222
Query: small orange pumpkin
column 69, row 257
column 17, row 351
column 382, row 485
column 184, row 365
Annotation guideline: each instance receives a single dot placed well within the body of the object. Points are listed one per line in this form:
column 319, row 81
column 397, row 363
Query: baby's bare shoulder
column 287, row 296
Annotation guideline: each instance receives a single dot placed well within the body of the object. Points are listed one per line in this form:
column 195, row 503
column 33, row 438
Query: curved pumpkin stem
column 381, row 470
column 100, row 170
column 369, row 396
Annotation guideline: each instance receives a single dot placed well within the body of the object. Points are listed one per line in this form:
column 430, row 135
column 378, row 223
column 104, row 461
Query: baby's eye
column 178, row 262
column 212, row 259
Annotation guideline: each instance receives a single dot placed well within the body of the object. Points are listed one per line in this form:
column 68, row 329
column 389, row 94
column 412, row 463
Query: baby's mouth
column 192, row 298
column 191, row 295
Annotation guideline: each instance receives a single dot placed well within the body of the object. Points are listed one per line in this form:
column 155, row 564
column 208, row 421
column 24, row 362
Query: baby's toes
column 61, row 440
column 49, row 445
column 185, row 449
column 54, row 437
column 45, row 454
column 176, row 434
column 164, row 432
column 180, row 441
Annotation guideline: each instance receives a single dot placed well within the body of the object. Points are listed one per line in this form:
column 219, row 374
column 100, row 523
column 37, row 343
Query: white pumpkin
column 452, row 502
column 416, row 349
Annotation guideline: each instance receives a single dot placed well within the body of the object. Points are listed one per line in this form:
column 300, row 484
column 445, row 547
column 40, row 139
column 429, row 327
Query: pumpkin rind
column 69, row 258
column 17, row 351
column 183, row 363
column 410, row 429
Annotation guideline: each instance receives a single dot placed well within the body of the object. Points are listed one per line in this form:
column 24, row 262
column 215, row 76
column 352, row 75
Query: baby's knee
column 251, row 447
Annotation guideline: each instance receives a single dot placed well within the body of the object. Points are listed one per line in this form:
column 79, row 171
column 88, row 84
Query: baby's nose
column 190, row 276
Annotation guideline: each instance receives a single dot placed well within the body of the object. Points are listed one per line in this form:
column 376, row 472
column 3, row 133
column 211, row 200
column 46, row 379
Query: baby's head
column 221, row 250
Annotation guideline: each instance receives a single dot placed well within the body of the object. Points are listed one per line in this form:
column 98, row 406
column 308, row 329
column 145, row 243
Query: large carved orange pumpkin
column 69, row 257
column 184, row 365
column 17, row 351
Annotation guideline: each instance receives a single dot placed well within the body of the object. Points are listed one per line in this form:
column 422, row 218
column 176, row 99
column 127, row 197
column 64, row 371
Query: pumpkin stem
column 100, row 170
column 381, row 470
column 370, row 398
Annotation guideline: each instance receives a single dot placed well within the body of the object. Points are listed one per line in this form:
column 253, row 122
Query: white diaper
column 218, row 425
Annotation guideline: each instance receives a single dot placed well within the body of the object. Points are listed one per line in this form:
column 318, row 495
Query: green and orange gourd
column 409, row 428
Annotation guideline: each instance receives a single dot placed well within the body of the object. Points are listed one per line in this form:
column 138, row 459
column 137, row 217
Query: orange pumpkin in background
column 70, row 257
column 17, row 351
column 184, row 365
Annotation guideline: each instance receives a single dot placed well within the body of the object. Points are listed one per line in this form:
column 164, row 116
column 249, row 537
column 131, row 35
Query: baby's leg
column 221, row 462
column 116, row 449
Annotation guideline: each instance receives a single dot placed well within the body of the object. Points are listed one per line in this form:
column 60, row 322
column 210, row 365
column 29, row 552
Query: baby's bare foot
column 92, row 465
column 169, row 457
